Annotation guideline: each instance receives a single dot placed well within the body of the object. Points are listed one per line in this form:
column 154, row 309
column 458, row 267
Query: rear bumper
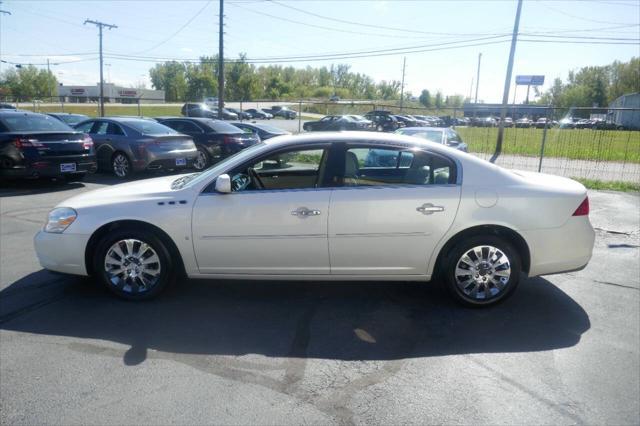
column 50, row 167
column 563, row 249
column 61, row 252
column 168, row 160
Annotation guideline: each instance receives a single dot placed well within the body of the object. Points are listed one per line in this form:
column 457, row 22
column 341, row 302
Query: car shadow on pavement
column 341, row 321
column 13, row 188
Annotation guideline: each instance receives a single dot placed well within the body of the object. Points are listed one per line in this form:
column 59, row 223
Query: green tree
column 425, row 98
column 27, row 83
column 439, row 102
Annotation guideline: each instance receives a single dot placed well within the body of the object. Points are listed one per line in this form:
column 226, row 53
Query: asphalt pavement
column 564, row 349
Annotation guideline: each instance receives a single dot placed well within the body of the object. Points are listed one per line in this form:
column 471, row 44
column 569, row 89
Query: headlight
column 60, row 219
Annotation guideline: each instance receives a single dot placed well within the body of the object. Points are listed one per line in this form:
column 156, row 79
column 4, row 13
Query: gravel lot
column 564, row 349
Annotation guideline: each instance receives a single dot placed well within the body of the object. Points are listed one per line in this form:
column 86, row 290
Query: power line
column 178, row 31
column 580, row 17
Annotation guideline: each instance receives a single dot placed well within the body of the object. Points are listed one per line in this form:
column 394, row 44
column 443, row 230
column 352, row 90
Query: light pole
column 100, row 25
column 2, row 12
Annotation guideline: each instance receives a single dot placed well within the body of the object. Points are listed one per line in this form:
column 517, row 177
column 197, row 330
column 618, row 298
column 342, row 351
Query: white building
column 112, row 93
column 627, row 118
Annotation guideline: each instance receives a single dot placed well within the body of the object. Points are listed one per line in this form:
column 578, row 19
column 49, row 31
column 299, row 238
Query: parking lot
column 564, row 349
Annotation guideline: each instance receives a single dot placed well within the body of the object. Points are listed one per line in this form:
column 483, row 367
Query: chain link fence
column 590, row 143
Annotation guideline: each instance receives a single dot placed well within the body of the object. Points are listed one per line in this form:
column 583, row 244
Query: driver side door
column 276, row 226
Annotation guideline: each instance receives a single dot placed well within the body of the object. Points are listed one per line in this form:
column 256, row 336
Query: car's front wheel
column 202, row 160
column 133, row 264
column 482, row 270
column 121, row 165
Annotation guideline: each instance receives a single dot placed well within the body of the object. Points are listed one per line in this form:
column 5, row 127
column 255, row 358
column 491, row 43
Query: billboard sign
column 128, row 93
column 77, row 91
column 530, row 80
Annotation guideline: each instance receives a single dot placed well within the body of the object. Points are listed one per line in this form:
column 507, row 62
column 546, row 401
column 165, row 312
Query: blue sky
column 38, row 30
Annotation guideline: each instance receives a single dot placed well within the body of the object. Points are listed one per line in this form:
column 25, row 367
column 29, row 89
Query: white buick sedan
column 336, row 206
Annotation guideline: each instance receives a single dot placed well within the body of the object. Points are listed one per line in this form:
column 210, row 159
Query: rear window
column 270, row 129
column 222, row 127
column 34, row 123
column 73, row 119
column 149, row 127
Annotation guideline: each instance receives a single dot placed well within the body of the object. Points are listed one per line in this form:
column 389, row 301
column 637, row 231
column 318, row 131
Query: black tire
column 452, row 259
column 121, row 165
column 125, row 286
column 202, row 152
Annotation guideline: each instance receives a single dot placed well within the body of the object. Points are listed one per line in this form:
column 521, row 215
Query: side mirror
column 223, row 184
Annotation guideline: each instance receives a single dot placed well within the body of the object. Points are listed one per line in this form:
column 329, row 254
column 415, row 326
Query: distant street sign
column 530, row 80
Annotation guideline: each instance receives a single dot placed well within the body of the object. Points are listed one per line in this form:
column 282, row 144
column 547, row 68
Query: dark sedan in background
column 259, row 114
column 128, row 145
column 67, row 118
column 242, row 115
column 337, row 123
column 214, row 139
column 202, row 110
column 263, row 131
column 282, row 111
column 35, row 145
column 383, row 121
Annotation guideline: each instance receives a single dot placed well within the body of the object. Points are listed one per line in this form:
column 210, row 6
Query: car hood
column 145, row 189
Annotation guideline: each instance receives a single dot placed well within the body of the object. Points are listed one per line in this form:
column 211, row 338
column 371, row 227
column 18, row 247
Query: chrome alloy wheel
column 132, row 266
column 120, row 165
column 483, row 272
column 201, row 161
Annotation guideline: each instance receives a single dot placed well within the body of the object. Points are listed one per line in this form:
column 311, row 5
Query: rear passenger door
column 393, row 207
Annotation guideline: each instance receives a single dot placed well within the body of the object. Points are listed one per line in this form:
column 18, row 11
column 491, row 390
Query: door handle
column 304, row 212
column 429, row 208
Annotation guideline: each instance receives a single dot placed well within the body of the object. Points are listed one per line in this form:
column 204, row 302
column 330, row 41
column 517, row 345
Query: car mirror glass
column 223, row 184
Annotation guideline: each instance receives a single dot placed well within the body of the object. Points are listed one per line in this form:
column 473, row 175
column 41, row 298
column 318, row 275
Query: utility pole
column 478, row 78
column 507, row 84
column 48, row 74
column 404, row 64
column 471, row 89
column 100, row 25
column 221, row 61
column 2, row 12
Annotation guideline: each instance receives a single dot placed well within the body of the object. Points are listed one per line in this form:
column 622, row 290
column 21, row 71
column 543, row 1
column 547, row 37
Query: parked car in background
column 542, row 122
column 210, row 101
column 36, row 145
column 214, row 139
column 226, row 114
column 567, row 123
column 125, row 146
column 263, row 131
column 7, row 106
column 67, row 118
column 202, row 110
column 337, row 123
column 523, row 123
column 334, row 98
column 584, row 123
column 383, row 121
column 283, row 111
column 444, row 136
column 407, row 121
column 259, row 114
column 508, row 122
column 273, row 210
column 242, row 115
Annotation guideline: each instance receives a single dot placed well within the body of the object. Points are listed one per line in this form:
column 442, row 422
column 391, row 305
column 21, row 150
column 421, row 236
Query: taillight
column 226, row 139
column 583, row 208
column 26, row 143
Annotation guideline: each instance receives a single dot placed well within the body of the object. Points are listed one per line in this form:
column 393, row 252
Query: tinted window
column 73, row 119
column 183, row 126
column 296, row 169
column 34, row 123
column 114, row 129
column 384, row 166
column 100, row 128
column 85, row 127
column 149, row 127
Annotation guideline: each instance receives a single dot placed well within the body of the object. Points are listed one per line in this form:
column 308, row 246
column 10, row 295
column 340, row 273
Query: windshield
column 222, row 127
column 34, row 123
column 194, row 178
column 430, row 135
column 73, row 119
column 148, row 127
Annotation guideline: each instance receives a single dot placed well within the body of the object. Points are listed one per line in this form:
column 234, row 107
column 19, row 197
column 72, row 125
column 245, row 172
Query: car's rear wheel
column 133, row 264
column 202, row 160
column 482, row 270
column 121, row 165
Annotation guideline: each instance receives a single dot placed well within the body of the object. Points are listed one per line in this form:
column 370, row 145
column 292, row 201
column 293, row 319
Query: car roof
column 11, row 112
column 439, row 129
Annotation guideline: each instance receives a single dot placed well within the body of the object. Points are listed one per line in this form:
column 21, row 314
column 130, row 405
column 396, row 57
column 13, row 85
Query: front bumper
column 556, row 250
column 62, row 252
